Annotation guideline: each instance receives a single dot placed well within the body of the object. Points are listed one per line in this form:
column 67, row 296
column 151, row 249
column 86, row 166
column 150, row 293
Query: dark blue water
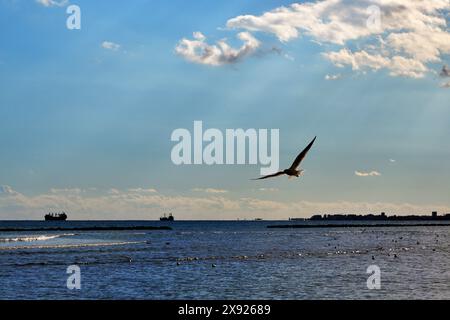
column 223, row 260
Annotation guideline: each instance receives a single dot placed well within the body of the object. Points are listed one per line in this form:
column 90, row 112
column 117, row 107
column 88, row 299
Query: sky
column 86, row 115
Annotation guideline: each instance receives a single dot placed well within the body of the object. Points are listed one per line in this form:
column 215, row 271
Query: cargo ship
column 167, row 218
column 56, row 216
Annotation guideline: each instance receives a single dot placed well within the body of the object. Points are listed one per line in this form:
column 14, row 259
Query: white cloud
column 325, row 21
column 392, row 160
column 357, row 60
column 424, row 45
column 332, row 76
column 142, row 190
column 210, row 190
column 199, row 51
column 400, row 66
column 268, row 189
column 125, row 204
column 110, row 45
column 134, row 203
column 361, row 60
column 367, row 174
column 53, row 3
column 6, row 190
column 407, row 36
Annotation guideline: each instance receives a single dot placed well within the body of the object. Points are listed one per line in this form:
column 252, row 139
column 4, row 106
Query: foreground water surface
column 223, row 260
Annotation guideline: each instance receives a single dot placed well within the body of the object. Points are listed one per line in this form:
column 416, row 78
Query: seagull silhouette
column 292, row 171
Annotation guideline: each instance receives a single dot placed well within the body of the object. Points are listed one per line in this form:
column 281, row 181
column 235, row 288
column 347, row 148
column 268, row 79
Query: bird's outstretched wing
column 302, row 155
column 270, row 175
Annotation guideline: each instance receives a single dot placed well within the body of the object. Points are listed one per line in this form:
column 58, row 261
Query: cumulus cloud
column 110, row 45
column 52, row 3
column 400, row 66
column 126, row 204
column 325, row 21
column 210, row 190
column 361, row 60
column 199, row 51
column 357, row 60
column 367, row 174
column 401, row 36
column 6, row 190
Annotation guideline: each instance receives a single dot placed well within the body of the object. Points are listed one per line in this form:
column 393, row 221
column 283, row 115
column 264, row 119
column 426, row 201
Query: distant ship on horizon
column 56, row 216
column 167, row 218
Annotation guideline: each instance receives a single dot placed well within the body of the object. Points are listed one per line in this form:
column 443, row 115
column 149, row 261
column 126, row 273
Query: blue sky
column 80, row 123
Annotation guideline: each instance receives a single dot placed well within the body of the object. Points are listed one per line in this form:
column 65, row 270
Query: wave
column 79, row 245
column 43, row 237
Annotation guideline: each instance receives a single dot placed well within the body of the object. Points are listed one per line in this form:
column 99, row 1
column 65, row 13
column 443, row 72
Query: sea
column 221, row 260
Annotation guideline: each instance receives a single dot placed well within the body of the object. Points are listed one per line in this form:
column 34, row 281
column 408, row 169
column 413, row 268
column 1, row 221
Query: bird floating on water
column 292, row 170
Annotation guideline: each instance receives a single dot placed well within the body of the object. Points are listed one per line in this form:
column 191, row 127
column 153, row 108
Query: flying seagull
column 292, row 171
